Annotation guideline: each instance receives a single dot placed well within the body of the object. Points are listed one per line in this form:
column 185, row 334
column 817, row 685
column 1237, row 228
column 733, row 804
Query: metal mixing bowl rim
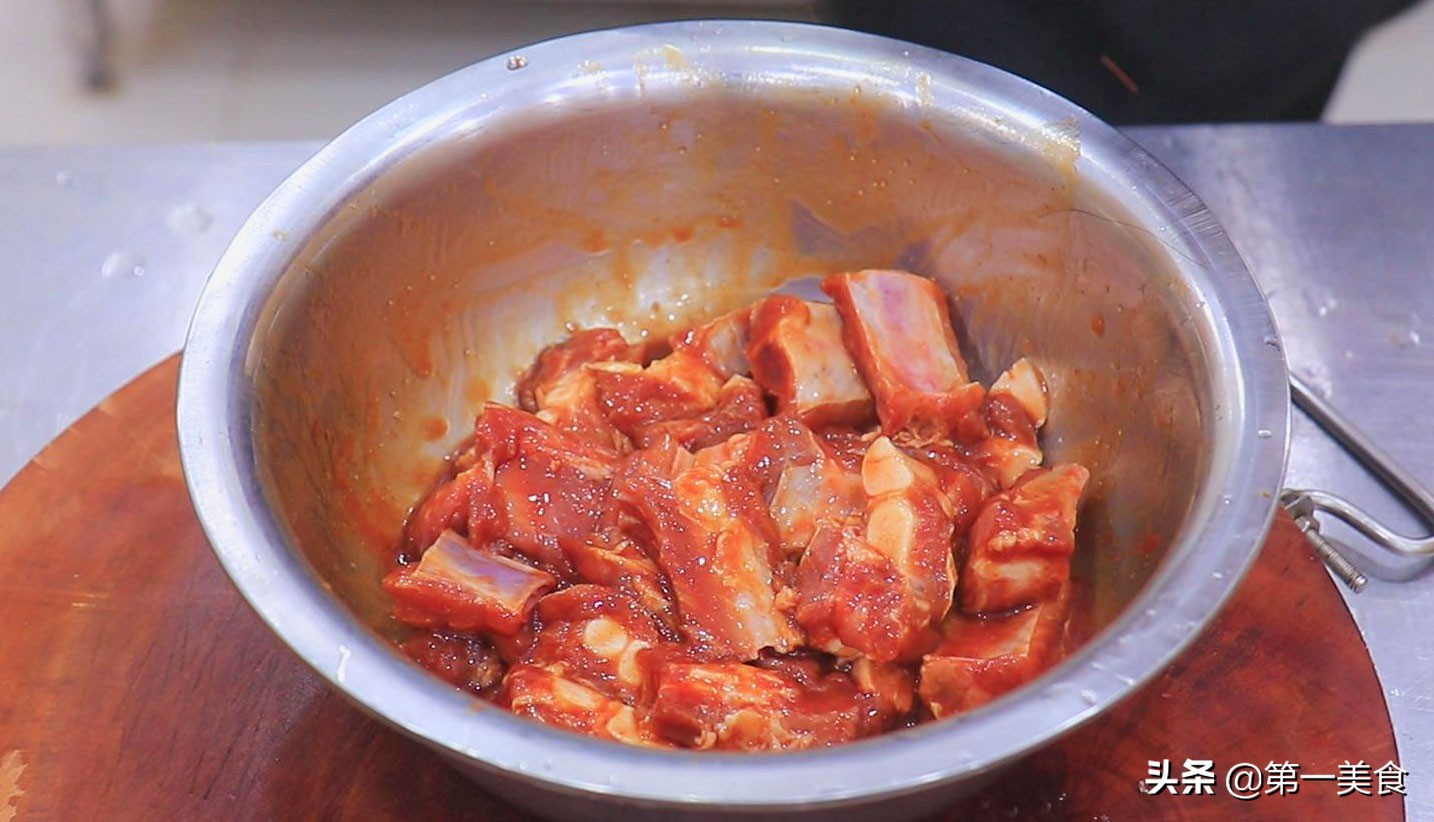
column 1231, row 518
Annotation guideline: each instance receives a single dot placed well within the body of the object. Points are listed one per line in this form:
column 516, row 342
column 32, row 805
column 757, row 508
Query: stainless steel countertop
column 106, row 250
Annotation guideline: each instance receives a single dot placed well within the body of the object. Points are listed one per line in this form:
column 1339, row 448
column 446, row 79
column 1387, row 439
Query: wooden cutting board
column 135, row 684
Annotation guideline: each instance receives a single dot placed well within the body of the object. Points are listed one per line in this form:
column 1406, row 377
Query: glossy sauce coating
column 798, row 525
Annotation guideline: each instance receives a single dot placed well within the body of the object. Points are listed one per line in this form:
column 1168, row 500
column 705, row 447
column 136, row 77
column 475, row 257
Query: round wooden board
column 137, row 684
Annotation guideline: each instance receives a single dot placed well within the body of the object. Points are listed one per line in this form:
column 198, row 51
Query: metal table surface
column 105, row 250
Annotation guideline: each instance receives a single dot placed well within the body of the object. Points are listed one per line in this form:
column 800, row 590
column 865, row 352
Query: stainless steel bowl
column 645, row 177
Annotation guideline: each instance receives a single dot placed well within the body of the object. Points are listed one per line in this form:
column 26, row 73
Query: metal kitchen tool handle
column 1302, row 505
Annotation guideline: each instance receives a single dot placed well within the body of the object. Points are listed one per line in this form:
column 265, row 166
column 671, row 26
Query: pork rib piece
column 731, row 706
column 898, row 329
column 467, row 589
column 1015, row 408
column 981, row 658
column 560, row 388
column 1020, row 546
column 547, row 696
column 601, row 638
column 716, row 543
column 796, row 353
column 546, row 489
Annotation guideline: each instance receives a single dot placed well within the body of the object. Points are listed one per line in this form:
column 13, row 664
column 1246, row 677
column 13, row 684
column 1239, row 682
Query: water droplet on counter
column 1088, row 697
column 64, row 177
column 188, row 219
column 1320, row 300
column 1264, row 433
column 1226, row 500
column 1124, row 680
column 516, row 62
column 1395, row 692
column 122, row 264
column 1408, row 338
column 1217, row 575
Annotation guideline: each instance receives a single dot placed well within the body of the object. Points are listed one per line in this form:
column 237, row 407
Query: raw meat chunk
column 731, row 706
column 981, row 658
column 1020, row 546
column 898, row 329
column 797, row 354
column 466, row 589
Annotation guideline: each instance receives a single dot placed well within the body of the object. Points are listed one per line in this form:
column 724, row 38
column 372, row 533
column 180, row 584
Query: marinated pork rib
column 853, row 601
column 601, row 638
column 807, row 494
column 463, row 661
column 721, row 344
column 1020, row 546
column 1024, row 383
column 740, row 406
column 676, row 387
column 796, row 353
column 981, row 658
column 909, row 519
column 1015, row 407
column 466, row 589
column 898, row 329
column 545, row 695
column 730, row 706
column 892, row 687
column 716, row 544
column 878, row 591
column 965, row 480
column 615, row 560
column 547, row 491
column 558, row 363
column 751, row 542
column 560, row 390
column 447, row 508
column 801, row 479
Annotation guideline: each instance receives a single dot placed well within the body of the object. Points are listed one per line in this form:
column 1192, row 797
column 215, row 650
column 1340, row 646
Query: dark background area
column 1147, row 61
